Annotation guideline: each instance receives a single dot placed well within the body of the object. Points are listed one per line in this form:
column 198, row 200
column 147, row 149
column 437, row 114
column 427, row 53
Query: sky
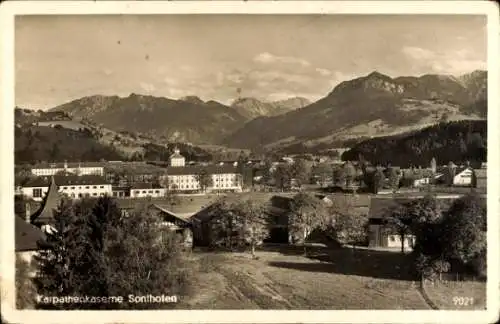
column 217, row 57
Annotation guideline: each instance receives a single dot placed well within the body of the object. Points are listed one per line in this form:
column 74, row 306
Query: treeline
column 447, row 238
column 97, row 252
column 454, row 141
column 35, row 144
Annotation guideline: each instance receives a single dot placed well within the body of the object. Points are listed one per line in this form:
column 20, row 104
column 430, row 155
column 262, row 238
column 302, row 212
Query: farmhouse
column 85, row 168
column 379, row 235
column 169, row 220
column 463, row 176
column 72, row 186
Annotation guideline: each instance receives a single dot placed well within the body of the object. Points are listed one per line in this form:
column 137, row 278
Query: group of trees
column 445, row 236
column 97, row 251
column 454, row 141
column 246, row 222
column 286, row 175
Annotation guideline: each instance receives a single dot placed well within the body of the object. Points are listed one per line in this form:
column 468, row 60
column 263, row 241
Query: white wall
column 79, row 171
column 394, row 241
column 73, row 191
column 142, row 193
column 464, row 178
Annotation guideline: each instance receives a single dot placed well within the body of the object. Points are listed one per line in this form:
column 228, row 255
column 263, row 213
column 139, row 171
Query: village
column 187, row 197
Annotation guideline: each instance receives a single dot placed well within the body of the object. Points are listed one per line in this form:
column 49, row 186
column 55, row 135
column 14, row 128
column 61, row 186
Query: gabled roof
column 44, row 215
column 26, row 236
column 70, row 180
column 195, row 169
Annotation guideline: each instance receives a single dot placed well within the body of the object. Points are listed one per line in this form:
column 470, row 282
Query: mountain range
column 370, row 106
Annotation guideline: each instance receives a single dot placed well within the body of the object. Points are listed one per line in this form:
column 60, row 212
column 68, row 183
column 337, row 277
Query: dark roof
column 69, row 164
column 195, row 169
column 26, row 236
column 67, row 180
column 144, row 185
column 44, row 215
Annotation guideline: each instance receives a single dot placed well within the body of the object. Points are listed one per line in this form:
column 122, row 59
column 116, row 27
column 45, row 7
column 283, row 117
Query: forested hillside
column 454, row 141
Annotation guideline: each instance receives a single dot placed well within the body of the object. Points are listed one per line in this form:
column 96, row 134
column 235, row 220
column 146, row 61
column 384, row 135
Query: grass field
column 466, row 295
column 282, row 278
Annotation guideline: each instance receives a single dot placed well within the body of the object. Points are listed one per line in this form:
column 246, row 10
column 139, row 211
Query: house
column 84, row 168
column 27, row 240
column 169, row 220
column 145, row 189
column 463, row 176
column 379, row 235
column 185, row 178
column 72, row 186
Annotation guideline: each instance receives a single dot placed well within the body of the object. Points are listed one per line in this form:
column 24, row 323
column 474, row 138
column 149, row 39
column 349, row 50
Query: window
column 72, row 187
column 150, row 191
column 65, row 188
column 37, row 193
column 95, row 187
column 102, row 194
column 144, row 191
column 102, row 187
column 392, row 238
column 87, row 187
column 115, row 194
column 157, row 191
column 79, row 195
column 94, row 194
column 87, row 195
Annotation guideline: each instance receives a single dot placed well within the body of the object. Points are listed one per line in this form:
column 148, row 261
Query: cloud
column 418, row 53
column 147, row 87
column 324, row 72
column 268, row 58
column 453, row 62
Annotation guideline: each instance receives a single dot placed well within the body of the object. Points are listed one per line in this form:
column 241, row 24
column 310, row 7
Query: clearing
column 282, row 278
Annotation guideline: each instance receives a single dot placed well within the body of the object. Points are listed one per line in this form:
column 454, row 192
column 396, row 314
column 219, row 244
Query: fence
column 453, row 279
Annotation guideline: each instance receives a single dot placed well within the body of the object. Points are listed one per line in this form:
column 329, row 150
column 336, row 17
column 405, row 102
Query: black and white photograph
column 232, row 158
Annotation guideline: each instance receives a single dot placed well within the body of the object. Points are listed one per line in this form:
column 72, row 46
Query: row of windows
column 146, row 191
column 81, row 187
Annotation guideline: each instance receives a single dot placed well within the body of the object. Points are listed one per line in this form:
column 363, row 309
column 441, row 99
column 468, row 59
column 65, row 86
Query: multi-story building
column 72, row 186
column 84, row 168
column 187, row 178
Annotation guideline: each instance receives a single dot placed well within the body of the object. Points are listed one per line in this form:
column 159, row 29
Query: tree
column 142, row 258
column 306, row 213
column 266, row 172
column 378, row 179
column 283, row 176
column 464, row 227
column 399, row 220
column 255, row 221
column 350, row 174
column 204, row 179
column 450, row 173
column 225, row 225
column 339, row 176
column 25, row 290
column 350, row 228
column 394, row 179
column 96, row 251
column 299, row 172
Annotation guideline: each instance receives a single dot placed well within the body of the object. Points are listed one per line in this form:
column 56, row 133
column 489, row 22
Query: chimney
column 27, row 209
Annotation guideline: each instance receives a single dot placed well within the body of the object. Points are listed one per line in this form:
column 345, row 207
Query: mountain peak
column 378, row 75
column 192, row 99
